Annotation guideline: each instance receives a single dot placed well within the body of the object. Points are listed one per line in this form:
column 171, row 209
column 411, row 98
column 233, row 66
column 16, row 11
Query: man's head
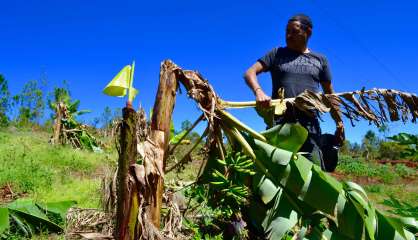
column 298, row 31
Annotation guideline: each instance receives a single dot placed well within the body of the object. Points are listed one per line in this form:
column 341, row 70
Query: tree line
column 34, row 105
column 380, row 146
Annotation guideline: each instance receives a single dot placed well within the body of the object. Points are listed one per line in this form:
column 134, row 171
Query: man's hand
column 250, row 77
column 339, row 135
column 261, row 98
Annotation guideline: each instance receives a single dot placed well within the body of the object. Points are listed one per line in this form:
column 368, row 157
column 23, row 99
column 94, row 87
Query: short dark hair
column 304, row 20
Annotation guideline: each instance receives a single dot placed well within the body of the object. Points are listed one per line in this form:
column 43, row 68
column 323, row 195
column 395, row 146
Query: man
column 296, row 68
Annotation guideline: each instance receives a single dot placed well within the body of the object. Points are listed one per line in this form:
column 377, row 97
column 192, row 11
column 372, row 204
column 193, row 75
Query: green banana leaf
column 81, row 112
column 287, row 136
column 30, row 217
column 275, row 214
column 73, row 106
column 175, row 139
column 306, row 187
column 4, row 219
column 60, row 208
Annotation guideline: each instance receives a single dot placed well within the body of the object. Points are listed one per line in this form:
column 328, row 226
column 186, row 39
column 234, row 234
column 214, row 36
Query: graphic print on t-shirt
column 302, row 64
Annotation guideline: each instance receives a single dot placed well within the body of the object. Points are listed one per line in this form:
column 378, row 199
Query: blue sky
column 368, row 43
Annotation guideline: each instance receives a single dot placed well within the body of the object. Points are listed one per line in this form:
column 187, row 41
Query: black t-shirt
column 295, row 71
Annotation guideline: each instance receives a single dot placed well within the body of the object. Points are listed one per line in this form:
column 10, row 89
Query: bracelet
column 255, row 90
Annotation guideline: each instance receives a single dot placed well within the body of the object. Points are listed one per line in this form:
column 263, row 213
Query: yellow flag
column 122, row 84
column 132, row 91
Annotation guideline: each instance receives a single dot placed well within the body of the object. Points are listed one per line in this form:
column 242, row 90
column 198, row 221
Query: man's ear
column 309, row 32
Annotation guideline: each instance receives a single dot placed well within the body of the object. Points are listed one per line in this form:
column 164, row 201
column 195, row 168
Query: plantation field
column 31, row 168
column 380, row 181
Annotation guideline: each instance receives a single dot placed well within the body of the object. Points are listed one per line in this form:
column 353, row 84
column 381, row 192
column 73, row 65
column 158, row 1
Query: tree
column 108, row 121
column 95, row 122
column 389, row 150
column 346, row 148
column 384, row 129
column 106, row 117
column 355, row 149
column 186, row 125
column 4, row 101
column 30, row 103
column 194, row 136
column 370, row 144
column 60, row 94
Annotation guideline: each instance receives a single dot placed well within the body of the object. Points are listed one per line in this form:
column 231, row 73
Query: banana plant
column 291, row 195
column 67, row 130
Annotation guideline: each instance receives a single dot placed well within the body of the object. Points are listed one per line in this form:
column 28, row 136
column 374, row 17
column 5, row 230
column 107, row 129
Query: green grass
column 404, row 192
column 85, row 191
column 383, row 173
column 38, row 170
column 381, row 181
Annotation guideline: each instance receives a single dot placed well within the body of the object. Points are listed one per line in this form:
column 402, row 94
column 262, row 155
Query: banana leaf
column 73, row 107
column 30, row 217
column 175, row 139
column 308, row 188
column 60, row 208
column 287, row 136
column 4, row 219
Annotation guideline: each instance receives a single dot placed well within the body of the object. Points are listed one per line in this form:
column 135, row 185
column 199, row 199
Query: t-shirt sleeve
column 268, row 60
column 325, row 74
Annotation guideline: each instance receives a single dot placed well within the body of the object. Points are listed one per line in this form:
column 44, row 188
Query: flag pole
column 131, row 79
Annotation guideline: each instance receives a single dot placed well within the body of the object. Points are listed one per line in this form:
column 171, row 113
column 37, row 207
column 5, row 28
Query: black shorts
column 318, row 148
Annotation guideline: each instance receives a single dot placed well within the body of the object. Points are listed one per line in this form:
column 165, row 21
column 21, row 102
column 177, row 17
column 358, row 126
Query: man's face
column 296, row 35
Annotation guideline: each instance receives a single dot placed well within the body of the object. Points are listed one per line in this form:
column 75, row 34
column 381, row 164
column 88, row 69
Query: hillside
column 33, row 169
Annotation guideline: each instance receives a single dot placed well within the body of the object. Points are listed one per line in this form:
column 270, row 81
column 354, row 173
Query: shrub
column 356, row 167
column 390, row 150
column 404, row 171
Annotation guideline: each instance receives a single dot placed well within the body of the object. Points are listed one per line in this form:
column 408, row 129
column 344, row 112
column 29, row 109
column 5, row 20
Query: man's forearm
column 251, row 80
column 250, row 76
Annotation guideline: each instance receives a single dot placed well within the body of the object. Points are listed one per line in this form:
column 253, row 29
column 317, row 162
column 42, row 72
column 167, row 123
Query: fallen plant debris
column 89, row 224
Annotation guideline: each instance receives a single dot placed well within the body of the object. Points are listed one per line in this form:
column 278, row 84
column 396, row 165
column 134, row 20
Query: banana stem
column 240, row 125
column 249, row 104
column 274, row 102
column 233, row 132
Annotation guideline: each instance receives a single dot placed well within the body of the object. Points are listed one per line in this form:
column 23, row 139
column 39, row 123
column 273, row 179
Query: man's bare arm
column 250, row 77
